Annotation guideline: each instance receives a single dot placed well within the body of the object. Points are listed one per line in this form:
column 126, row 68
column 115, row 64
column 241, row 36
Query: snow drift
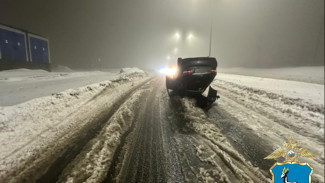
column 35, row 132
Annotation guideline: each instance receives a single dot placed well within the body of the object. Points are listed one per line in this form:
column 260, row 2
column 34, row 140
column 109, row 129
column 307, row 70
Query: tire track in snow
column 92, row 164
column 142, row 158
column 194, row 169
column 290, row 113
column 69, row 153
column 267, row 121
column 242, row 138
column 233, row 166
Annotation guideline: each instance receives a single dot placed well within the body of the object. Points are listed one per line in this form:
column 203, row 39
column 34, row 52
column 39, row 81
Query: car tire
column 168, row 87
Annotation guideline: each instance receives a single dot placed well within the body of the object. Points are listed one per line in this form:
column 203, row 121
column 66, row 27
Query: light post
column 210, row 42
column 211, row 16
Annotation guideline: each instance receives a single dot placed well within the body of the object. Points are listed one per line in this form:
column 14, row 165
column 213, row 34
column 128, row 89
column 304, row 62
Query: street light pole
column 210, row 39
column 211, row 18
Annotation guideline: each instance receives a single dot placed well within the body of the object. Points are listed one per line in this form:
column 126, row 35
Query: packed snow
column 56, row 119
column 274, row 110
column 129, row 71
column 21, row 85
column 309, row 92
column 92, row 164
column 205, row 126
column 313, row 74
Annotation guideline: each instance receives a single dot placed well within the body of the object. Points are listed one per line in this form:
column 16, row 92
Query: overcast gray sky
column 251, row 33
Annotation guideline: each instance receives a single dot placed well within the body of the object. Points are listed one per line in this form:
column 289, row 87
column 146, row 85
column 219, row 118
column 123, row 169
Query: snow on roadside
column 33, row 131
column 134, row 71
column 290, row 98
column 309, row 92
column 131, row 70
column 307, row 117
column 15, row 75
column 61, row 68
column 232, row 159
column 311, row 74
column 21, row 85
column 92, row 164
column 274, row 113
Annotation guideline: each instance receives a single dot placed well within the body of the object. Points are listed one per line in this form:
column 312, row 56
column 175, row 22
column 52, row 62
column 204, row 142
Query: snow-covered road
column 129, row 130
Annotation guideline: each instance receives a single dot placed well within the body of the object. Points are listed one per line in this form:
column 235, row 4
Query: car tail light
column 185, row 73
column 214, row 72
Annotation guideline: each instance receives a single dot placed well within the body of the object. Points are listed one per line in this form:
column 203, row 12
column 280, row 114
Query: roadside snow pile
column 308, row 92
column 313, row 74
column 21, row 74
column 33, row 133
column 92, row 164
column 131, row 72
column 61, row 68
column 271, row 111
column 21, row 85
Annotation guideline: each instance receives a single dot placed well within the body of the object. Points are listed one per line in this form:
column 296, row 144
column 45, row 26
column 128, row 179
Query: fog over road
column 105, row 34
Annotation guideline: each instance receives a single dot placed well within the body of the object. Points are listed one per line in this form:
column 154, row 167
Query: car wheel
column 170, row 92
column 168, row 87
column 167, row 83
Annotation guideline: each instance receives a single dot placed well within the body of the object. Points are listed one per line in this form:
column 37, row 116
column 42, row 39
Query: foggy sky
column 120, row 33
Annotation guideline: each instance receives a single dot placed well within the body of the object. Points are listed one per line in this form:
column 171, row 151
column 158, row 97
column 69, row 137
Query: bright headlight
column 171, row 72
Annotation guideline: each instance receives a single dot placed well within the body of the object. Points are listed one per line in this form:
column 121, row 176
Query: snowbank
column 21, row 85
column 131, row 72
column 309, row 92
column 272, row 110
column 31, row 133
column 305, row 74
column 61, row 68
column 99, row 152
column 21, row 74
